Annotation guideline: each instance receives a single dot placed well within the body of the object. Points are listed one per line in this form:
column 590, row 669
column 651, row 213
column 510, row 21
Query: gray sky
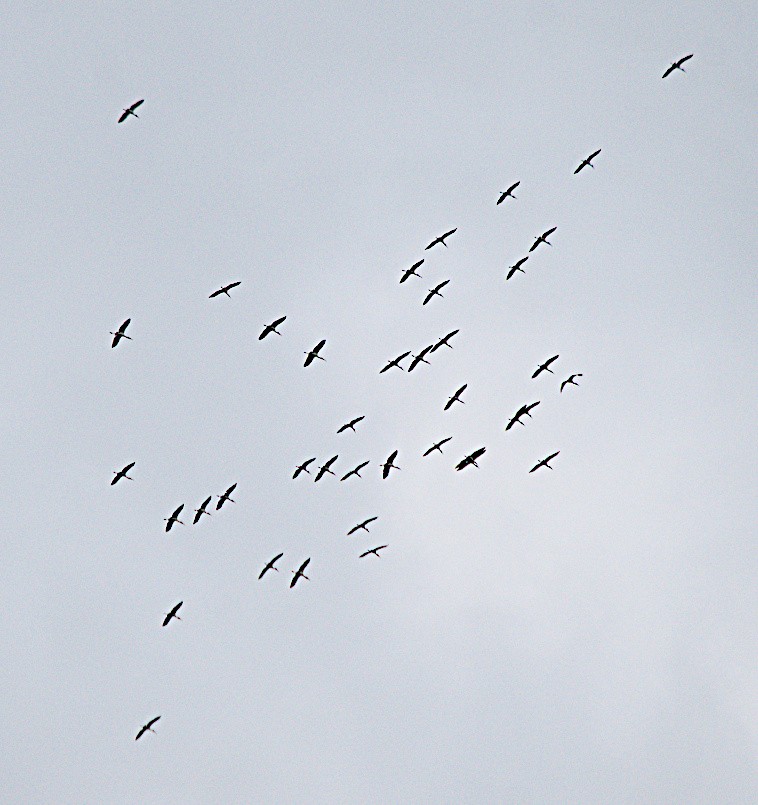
column 582, row 635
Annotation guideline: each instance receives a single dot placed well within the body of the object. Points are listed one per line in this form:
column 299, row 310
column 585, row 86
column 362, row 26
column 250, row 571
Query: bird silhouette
column 303, row 468
column 470, row 459
column 147, row 727
column 570, row 381
column 525, row 409
column 456, row 397
column 172, row 614
column 588, row 161
column 174, row 518
column 516, row 267
column 120, row 333
column 130, row 110
column 323, row 470
column 441, row 239
column 310, row 356
column 420, row 358
column 411, row 272
column 202, row 510
column 375, row 551
column 436, row 446
column 122, row 474
column 435, row 291
column 388, row 464
column 270, row 565
column 443, row 342
column 271, row 328
column 351, row 425
column 362, row 526
column 545, row 367
column 677, row 65
column 355, row 471
column 544, row 462
column 543, row 238
column 504, row 194
column 395, row 362
column 299, row 574
column 225, row 497
column 225, row 290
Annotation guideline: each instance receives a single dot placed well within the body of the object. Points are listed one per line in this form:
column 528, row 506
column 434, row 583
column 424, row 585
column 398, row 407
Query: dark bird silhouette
column 303, row 468
column 411, row 272
column 443, row 342
column 225, row 289
column 394, row 362
column 375, row 551
column 570, row 381
column 544, row 462
column 441, row 239
column 299, row 574
column 322, row 471
column 314, row 353
column 122, row 473
column 362, row 526
column 588, row 161
column 202, row 510
column 225, row 497
column 504, row 194
column 388, row 465
column 677, row 65
column 130, row 110
column 356, row 471
column 525, row 409
column 172, row 614
column 147, row 727
column 271, row 328
column 351, row 425
column 120, row 333
column 420, row 358
column 174, row 518
column 436, row 446
column 270, row 565
column 435, row 291
column 471, row 458
column 516, row 267
column 545, row 367
column 543, row 238
column 456, row 397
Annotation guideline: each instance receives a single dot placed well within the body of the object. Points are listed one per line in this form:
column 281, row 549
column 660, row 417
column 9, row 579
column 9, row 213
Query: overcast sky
column 583, row 635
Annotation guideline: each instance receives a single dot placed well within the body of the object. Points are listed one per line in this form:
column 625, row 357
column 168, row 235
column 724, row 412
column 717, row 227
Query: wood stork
column 456, row 397
column 120, row 333
column 411, row 272
column 677, row 65
column 299, row 573
column 122, row 474
column 351, row 425
column 388, row 464
column 441, row 239
column 470, row 459
column 172, row 614
column 420, row 358
column 271, row 328
column 570, row 381
column 322, row 471
column 356, row 471
column 202, row 510
column 394, row 362
column 443, row 342
column 588, row 161
column 545, row 367
column 130, row 110
column 516, row 267
column 436, row 446
column 303, row 468
column 147, row 727
column 174, row 518
column 544, row 462
column 225, row 290
column 270, row 565
column 375, row 551
column 225, row 497
column 543, row 238
column 314, row 353
column 435, row 291
column 362, row 526
column 504, row 194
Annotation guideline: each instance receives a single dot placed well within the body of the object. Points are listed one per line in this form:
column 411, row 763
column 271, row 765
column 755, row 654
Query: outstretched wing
column 136, row 104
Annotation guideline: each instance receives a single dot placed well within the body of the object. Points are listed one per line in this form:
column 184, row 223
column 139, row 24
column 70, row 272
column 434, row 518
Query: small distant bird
column 436, row 446
column 411, row 272
column 420, row 358
column 322, row 471
column 174, row 518
column 677, row 65
column 130, row 110
column 435, row 291
column 172, row 614
column 443, row 342
column 388, row 465
column 303, row 468
column 225, row 289
column 356, row 471
column 149, row 726
column 314, row 353
column 506, row 193
column 544, row 462
column 441, row 239
column 588, row 161
column 516, row 267
column 470, row 459
column 375, row 551
column 545, row 367
column 570, row 381
column 270, row 566
column 299, row 573
column 543, row 238
column 456, row 397
column 120, row 333
column 394, row 362
column 351, row 425
column 122, row 473
column 223, row 498
column 271, row 328
column 202, row 510
column 362, row 526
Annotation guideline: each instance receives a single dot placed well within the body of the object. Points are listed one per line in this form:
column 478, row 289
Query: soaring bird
column 351, row 425
column 147, row 727
column 471, row 458
column 443, row 342
column 270, row 565
column 271, row 328
column 588, row 161
column 362, row 526
column 411, row 272
column 314, row 353
column 570, row 381
column 394, row 362
column 225, row 289
column 544, row 462
column 543, row 238
column 436, row 446
column 130, row 110
column 202, row 510
column 299, row 573
column 545, row 367
column 356, row 471
column 506, row 193
column 435, row 291
column 420, row 358
column 388, row 465
column 120, row 333
column 122, row 473
column 375, row 551
column 677, row 65
column 174, row 518
column 516, row 267
column 303, row 468
column 172, row 614
column 456, row 397
column 223, row 498
column 322, row 471
column 441, row 239
column 525, row 409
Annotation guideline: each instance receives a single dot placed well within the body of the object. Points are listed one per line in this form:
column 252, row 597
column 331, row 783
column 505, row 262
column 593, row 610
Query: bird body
column 310, row 356
column 411, row 272
column 570, row 381
column 225, row 497
column 504, row 194
column 271, row 328
column 120, row 333
column 456, row 397
column 441, row 239
column 388, row 464
column 172, row 614
column 544, row 462
column 299, row 574
column 130, row 110
column 147, row 727
column 322, row 471
column 375, row 551
column 351, row 425
column 355, row 471
column 270, row 565
column 303, row 468
column 588, row 161
column 436, row 446
column 543, row 238
column 545, row 367
column 174, row 518
column 470, row 459
column 677, row 65
column 122, row 474
column 394, row 362
column 362, row 526
column 435, row 291
column 225, row 290
column 202, row 510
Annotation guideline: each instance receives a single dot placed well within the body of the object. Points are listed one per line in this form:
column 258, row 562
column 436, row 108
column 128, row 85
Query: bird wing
column 521, row 262
column 405, row 275
column 447, row 234
column 513, row 187
column 370, row 520
column 511, row 272
column 152, row 721
column 175, row 609
column 461, row 389
column 583, row 164
column 309, row 359
column 177, row 512
column 233, row 285
column 365, row 553
column 428, row 297
column 400, row 357
column 358, row 419
column 392, row 457
column 534, row 245
column 142, row 729
column 551, row 360
column 527, row 408
column 319, row 346
column 216, row 293
column 385, row 469
column 444, row 441
column 123, row 117
column 330, row 462
column 353, row 530
column 511, row 422
column 229, row 490
column 319, row 475
column 449, row 403
column 668, row 70
column 430, row 450
column 270, row 564
column 563, row 384
column 205, row 502
column 552, row 455
column 442, row 285
column 166, row 619
column 361, row 466
column 278, row 322
column 549, row 232
column 198, row 515
column 303, row 566
column 136, row 104
column 477, row 453
column 594, row 154
column 128, row 467
column 343, row 427
column 463, row 463
column 685, row 58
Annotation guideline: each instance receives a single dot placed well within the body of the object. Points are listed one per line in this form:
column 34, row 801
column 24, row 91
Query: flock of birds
column 313, row 354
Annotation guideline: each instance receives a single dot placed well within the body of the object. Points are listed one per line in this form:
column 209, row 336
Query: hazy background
column 583, row 635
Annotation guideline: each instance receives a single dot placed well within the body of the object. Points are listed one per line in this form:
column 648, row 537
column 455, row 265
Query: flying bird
column 270, row 566
column 411, row 272
column 314, row 353
column 223, row 498
column 456, row 397
column 436, row 446
column 420, row 358
column 543, row 238
column 351, row 425
column 172, row 614
column 443, row 342
column 588, row 161
column 470, row 459
column 122, row 473
column 147, row 728
column 570, row 381
column 202, row 510
column 435, row 291
column 130, row 110
column 362, row 526
column 506, row 193
column 326, row 468
column 677, row 65
column 525, row 409
column 394, row 362
column 299, row 573
column 356, row 471
column 271, row 328
column 516, row 267
column 303, row 468
column 225, row 289
column 545, row 367
column 120, row 333
column 174, row 518
column 441, row 239
column 388, row 465
column 544, row 462
column 375, row 551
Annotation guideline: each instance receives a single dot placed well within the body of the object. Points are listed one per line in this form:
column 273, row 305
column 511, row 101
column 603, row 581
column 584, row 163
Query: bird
column 443, row 342
column 172, row 614
column 516, row 267
column 436, row 446
column 570, row 381
column 130, row 110
column 299, row 573
column 588, row 161
column 394, row 362
column 543, row 238
column 351, row 425
column 174, row 518
column 471, row 458
column 356, row 471
column 545, row 367
column 303, row 468
column 388, row 465
column 411, row 272
column 420, row 358
column 223, row 498
column 314, row 353
column 225, row 289
column 677, row 65
column 202, row 510
column 441, row 239
column 122, row 474
column 271, row 328
column 435, row 291
column 456, row 397
column 516, row 418
column 147, row 728
column 375, row 551
column 506, row 193
column 544, row 462
column 325, row 468
column 362, row 526
column 120, row 333
column 270, row 566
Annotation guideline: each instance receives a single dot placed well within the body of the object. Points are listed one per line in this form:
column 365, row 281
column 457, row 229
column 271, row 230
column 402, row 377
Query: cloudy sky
column 582, row 635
